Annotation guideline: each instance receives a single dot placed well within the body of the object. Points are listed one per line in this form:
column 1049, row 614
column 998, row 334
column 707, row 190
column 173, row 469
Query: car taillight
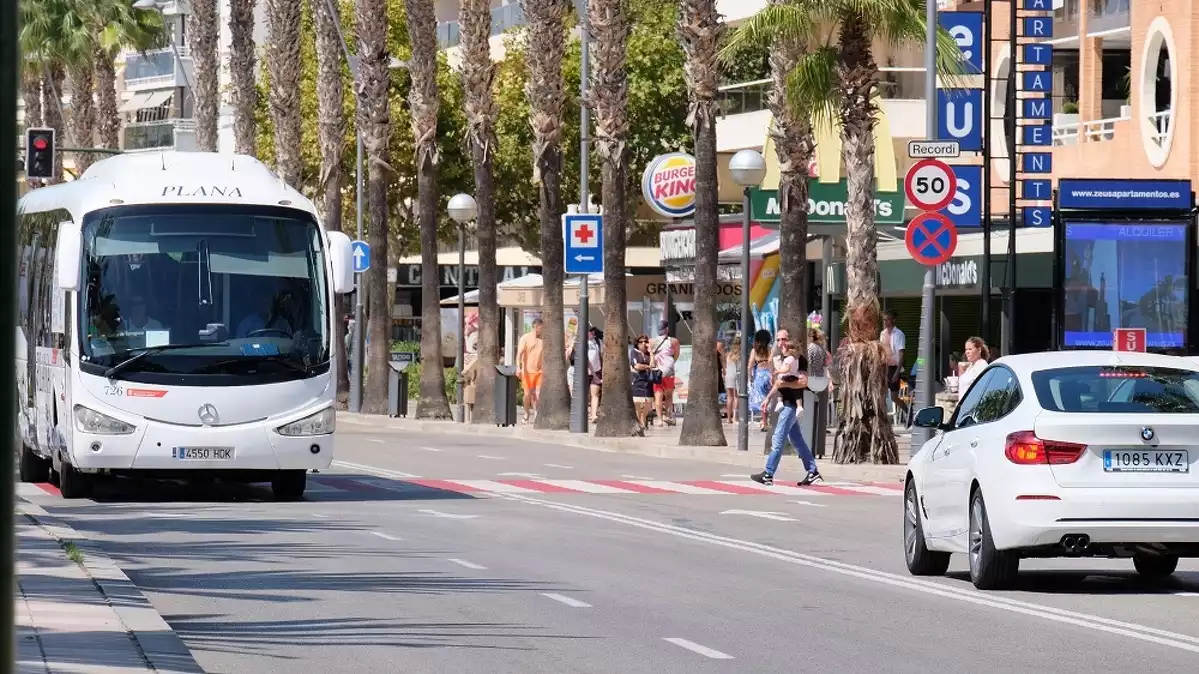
column 1025, row 448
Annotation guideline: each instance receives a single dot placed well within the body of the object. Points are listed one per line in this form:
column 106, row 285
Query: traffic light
column 39, row 153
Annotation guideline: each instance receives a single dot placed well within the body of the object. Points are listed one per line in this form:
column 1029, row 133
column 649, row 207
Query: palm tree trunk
column 867, row 433
column 203, row 26
column 81, row 83
column 547, row 99
column 794, row 146
column 331, row 125
column 108, row 117
column 609, row 97
column 423, row 99
column 53, row 81
column 283, row 62
column 374, row 116
column 241, row 74
column 478, row 72
column 700, row 30
column 31, row 93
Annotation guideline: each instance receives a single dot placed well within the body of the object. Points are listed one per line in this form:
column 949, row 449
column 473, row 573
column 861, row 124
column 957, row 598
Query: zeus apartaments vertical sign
column 1034, row 112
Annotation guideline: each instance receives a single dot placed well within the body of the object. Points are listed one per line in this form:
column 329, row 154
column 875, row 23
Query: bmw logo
column 1146, row 434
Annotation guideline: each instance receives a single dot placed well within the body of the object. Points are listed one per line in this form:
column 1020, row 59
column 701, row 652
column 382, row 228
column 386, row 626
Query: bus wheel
column 72, row 483
column 33, row 468
column 288, row 485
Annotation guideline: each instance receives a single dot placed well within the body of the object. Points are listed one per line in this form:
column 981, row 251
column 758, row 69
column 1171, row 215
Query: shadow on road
column 1084, row 582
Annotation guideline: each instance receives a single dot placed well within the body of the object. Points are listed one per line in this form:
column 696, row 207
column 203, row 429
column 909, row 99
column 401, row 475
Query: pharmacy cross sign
column 583, row 233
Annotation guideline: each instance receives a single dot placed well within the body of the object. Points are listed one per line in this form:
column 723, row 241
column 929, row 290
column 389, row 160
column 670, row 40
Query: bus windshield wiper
column 144, row 351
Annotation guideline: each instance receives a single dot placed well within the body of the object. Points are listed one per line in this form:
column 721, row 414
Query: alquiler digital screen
column 1121, row 275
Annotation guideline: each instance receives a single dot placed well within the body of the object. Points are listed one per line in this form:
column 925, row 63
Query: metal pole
column 10, row 57
column 460, row 361
column 924, row 367
column 1009, row 341
column 985, row 208
column 359, row 298
column 743, row 373
column 579, row 405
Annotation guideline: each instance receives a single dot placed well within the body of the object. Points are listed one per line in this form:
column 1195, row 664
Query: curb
column 161, row 647
column 637, row 446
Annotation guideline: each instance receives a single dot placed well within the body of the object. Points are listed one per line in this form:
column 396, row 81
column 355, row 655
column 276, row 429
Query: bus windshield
column 204, row 290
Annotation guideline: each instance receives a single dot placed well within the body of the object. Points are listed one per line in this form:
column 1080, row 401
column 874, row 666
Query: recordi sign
column 826, row 204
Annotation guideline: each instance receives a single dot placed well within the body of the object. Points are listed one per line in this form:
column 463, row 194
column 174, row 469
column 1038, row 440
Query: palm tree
column 839, row 81
column 203, row 27
column 283, row 63
column 241, row 71
column 331, row 132
column 794, row 144
column 478, row 72
column 546, row 91
column 700, row 31
column 609, row 97
column 53, row 81
column 423, row 100
column 58, row 39
column 119, row 25
column 31, row 92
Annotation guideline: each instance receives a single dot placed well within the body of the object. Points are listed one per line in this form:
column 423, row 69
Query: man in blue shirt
column 266, row 317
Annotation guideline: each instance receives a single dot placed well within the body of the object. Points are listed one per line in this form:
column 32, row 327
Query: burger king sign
column 669, row 185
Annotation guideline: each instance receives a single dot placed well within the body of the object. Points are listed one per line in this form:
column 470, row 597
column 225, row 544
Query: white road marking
column 377, row 441
column 778, row 517
column 469, row 565
column 589, row 487
column 319, row 515
column 733, row 475
column 698, row 648
column 680, row 488
column 1186, row 594
column 636, row 477
column 1145, row 633
column 496, row 487
column 386, row 537
column 370, row 469
column 531, row 476
column 558, row 465
column 453, row 516
column 569, row 601
column 430, row 449
column 490, row 457
column 808, row 503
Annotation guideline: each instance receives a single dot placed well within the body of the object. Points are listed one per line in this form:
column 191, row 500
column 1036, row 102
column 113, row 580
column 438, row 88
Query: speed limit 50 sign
column 930, row 185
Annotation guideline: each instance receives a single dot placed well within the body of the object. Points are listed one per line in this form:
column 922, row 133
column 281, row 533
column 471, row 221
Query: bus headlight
column 88, row 420
column 321, row 423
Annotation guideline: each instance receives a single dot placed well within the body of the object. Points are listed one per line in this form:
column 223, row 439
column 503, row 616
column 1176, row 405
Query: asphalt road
column 387, row 567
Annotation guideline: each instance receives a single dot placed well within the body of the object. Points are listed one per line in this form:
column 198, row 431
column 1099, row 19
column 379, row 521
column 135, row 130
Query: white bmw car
column 1060, row 454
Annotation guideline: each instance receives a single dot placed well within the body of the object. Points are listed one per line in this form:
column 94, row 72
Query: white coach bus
column 175, row 321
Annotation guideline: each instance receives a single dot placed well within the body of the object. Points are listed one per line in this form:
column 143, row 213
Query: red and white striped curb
column 618, row 487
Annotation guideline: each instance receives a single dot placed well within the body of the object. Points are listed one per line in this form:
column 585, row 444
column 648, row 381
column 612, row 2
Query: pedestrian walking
column 761, row 375
column 642, row 366
column 791, row 368
column 731, row 369
column 528, row 366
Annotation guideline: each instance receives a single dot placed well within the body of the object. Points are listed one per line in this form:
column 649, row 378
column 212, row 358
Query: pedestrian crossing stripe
column 611, row 487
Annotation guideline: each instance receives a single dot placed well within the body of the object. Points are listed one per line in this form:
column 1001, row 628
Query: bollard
column 397, row 390
column 505, row 395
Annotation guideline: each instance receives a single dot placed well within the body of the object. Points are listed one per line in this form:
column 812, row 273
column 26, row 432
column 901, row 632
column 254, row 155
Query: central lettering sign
column 957, row 274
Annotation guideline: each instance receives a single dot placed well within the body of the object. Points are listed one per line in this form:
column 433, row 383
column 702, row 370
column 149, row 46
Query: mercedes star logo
column 208, row 414
column 1146, row 434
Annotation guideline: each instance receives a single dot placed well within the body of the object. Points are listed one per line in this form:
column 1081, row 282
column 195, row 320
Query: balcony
column 1108, row 15
column 157, row 69
column 1094, row 131
column 503, row 19
column 168, row 134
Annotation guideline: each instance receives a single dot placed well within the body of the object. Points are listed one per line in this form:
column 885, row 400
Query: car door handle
column 974, row 442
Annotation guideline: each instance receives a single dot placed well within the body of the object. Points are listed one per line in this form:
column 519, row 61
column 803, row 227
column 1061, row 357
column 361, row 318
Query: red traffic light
column 40, row 143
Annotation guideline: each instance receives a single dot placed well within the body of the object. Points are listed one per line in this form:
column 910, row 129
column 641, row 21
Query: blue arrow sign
column 583, row 235
column 361, row 251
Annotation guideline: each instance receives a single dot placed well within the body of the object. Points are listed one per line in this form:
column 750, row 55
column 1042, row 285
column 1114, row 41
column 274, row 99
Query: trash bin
column 505, row 395
column 397, row 390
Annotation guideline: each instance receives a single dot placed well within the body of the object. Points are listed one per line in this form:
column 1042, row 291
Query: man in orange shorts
column 528, row 366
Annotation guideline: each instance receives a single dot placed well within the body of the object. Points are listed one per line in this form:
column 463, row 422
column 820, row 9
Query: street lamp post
column 462, row 210
column 748, row 168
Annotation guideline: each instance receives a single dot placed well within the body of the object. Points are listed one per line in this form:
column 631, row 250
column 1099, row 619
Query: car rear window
column 1116, row 389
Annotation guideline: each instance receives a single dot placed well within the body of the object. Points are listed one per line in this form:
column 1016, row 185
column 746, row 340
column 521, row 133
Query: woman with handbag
column 642, row 366
column 665, row 351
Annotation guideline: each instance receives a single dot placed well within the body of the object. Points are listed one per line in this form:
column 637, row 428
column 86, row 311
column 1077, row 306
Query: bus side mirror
column 67, row 253
column 341, row 258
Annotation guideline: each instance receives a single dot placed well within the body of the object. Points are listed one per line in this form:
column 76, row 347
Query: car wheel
column 289, row 485
column 1155, row 566
column 72, row 483
column 990, row 569
column 33, row 468
column 921, row 561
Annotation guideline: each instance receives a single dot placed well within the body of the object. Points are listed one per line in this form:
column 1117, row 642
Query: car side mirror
column 67, row 251
column 930, row 417
column 341, row 259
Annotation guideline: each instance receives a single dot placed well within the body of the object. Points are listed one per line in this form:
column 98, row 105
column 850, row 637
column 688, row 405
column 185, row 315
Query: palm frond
column 792, row 21
column 812, row 84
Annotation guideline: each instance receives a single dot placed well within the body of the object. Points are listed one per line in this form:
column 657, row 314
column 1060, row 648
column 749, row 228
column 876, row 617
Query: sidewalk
column 661, row 441
column 77, row 612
